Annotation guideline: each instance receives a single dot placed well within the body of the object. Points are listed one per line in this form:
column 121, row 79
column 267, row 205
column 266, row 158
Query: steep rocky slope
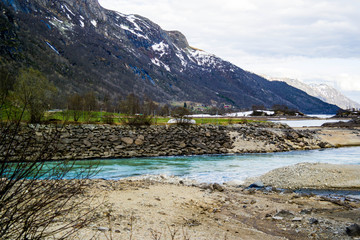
column 81, row 46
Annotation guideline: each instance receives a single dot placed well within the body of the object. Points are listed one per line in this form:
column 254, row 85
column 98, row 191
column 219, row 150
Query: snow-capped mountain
column 81, row 46
column 322, row 91
column 331, row 95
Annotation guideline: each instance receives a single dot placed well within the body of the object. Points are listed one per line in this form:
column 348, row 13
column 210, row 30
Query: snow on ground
column 52, row 47
column 179, row 54
column 202, row 58
column 132, row 31
column 62, row 6
column 204, row 116
column 160, row 63
column 239, row 114
column 161, row 48
column 182, row 59
column 247, row 113
column 132, row 18
column 189, row 121
column 93, row 22
column 57, row 20
column 61, row 25
column 321, row 115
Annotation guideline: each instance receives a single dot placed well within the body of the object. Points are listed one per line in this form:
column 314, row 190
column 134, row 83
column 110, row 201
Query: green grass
column 96, row 117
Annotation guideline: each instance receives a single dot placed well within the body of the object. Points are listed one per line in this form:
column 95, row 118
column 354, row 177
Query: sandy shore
column 340, row 137
column 176, row 209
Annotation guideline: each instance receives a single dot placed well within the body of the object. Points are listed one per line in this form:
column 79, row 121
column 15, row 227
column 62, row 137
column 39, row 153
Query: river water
column 310, row 122
column 218, row 168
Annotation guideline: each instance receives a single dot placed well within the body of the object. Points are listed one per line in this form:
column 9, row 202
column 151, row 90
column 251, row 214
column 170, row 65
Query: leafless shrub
column 172, row 232
column 155, row 235
column 36, row 200
column 181, row 115
column 137, row 120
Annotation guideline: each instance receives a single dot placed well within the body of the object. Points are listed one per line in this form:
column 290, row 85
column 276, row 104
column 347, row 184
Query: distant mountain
column 322, row 91
column 81, row 46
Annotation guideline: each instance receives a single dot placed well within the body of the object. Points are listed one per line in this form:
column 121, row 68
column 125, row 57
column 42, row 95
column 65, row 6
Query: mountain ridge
column 81, row 46
column 322, row 91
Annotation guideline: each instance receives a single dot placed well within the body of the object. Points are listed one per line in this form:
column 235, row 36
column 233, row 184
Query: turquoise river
column 217, row 168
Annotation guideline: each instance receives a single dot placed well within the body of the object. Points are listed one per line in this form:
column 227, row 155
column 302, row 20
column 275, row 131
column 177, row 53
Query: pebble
column 218, row 187
column 353, row 230
column 257, row 184
column 313, row 221
column 305, row 211
column 296, row 219
column 284, row 213
column 103, row 229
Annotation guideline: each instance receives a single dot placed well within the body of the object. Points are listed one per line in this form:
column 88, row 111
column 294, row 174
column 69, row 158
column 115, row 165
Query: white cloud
column 303, row 39
column 348, row 82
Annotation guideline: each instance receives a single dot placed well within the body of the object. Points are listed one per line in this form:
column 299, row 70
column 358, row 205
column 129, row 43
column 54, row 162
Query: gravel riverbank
column 313, row 176
column 174, row 208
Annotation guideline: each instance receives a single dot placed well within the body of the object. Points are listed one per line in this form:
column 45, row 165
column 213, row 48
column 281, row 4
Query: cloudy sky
column 312, row 41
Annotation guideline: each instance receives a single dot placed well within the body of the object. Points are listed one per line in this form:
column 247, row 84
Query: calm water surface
column 219, row 168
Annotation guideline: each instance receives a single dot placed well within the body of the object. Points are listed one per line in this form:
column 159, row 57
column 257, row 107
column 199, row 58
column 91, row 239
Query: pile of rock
column 106, row 141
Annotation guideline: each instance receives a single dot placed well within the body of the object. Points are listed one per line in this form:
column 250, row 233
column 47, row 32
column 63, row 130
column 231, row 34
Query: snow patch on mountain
column 61, row 25
column 182, row 59
column 202, row 58
column 132, row 31
column 132, row 18
column 94, row 23
column 160, row 64
column 161, row 48
column 68, row 9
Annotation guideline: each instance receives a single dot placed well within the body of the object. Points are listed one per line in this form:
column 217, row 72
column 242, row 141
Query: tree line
column 30, row 94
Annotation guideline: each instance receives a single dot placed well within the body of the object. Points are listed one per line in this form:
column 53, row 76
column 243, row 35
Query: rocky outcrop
column 353, row 123
column 105, row 141
column 255, row 138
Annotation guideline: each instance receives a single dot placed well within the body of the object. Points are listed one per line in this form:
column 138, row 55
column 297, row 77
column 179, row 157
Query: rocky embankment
column 106, row 141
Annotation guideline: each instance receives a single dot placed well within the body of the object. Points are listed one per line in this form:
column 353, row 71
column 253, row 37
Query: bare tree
column 149, row 107
column 76, row 104
column 33, row 91
column 35, row 197
column 181, row 115
column 91, row 104
column 165, row 110
column 6, row 83
column 131, row 105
